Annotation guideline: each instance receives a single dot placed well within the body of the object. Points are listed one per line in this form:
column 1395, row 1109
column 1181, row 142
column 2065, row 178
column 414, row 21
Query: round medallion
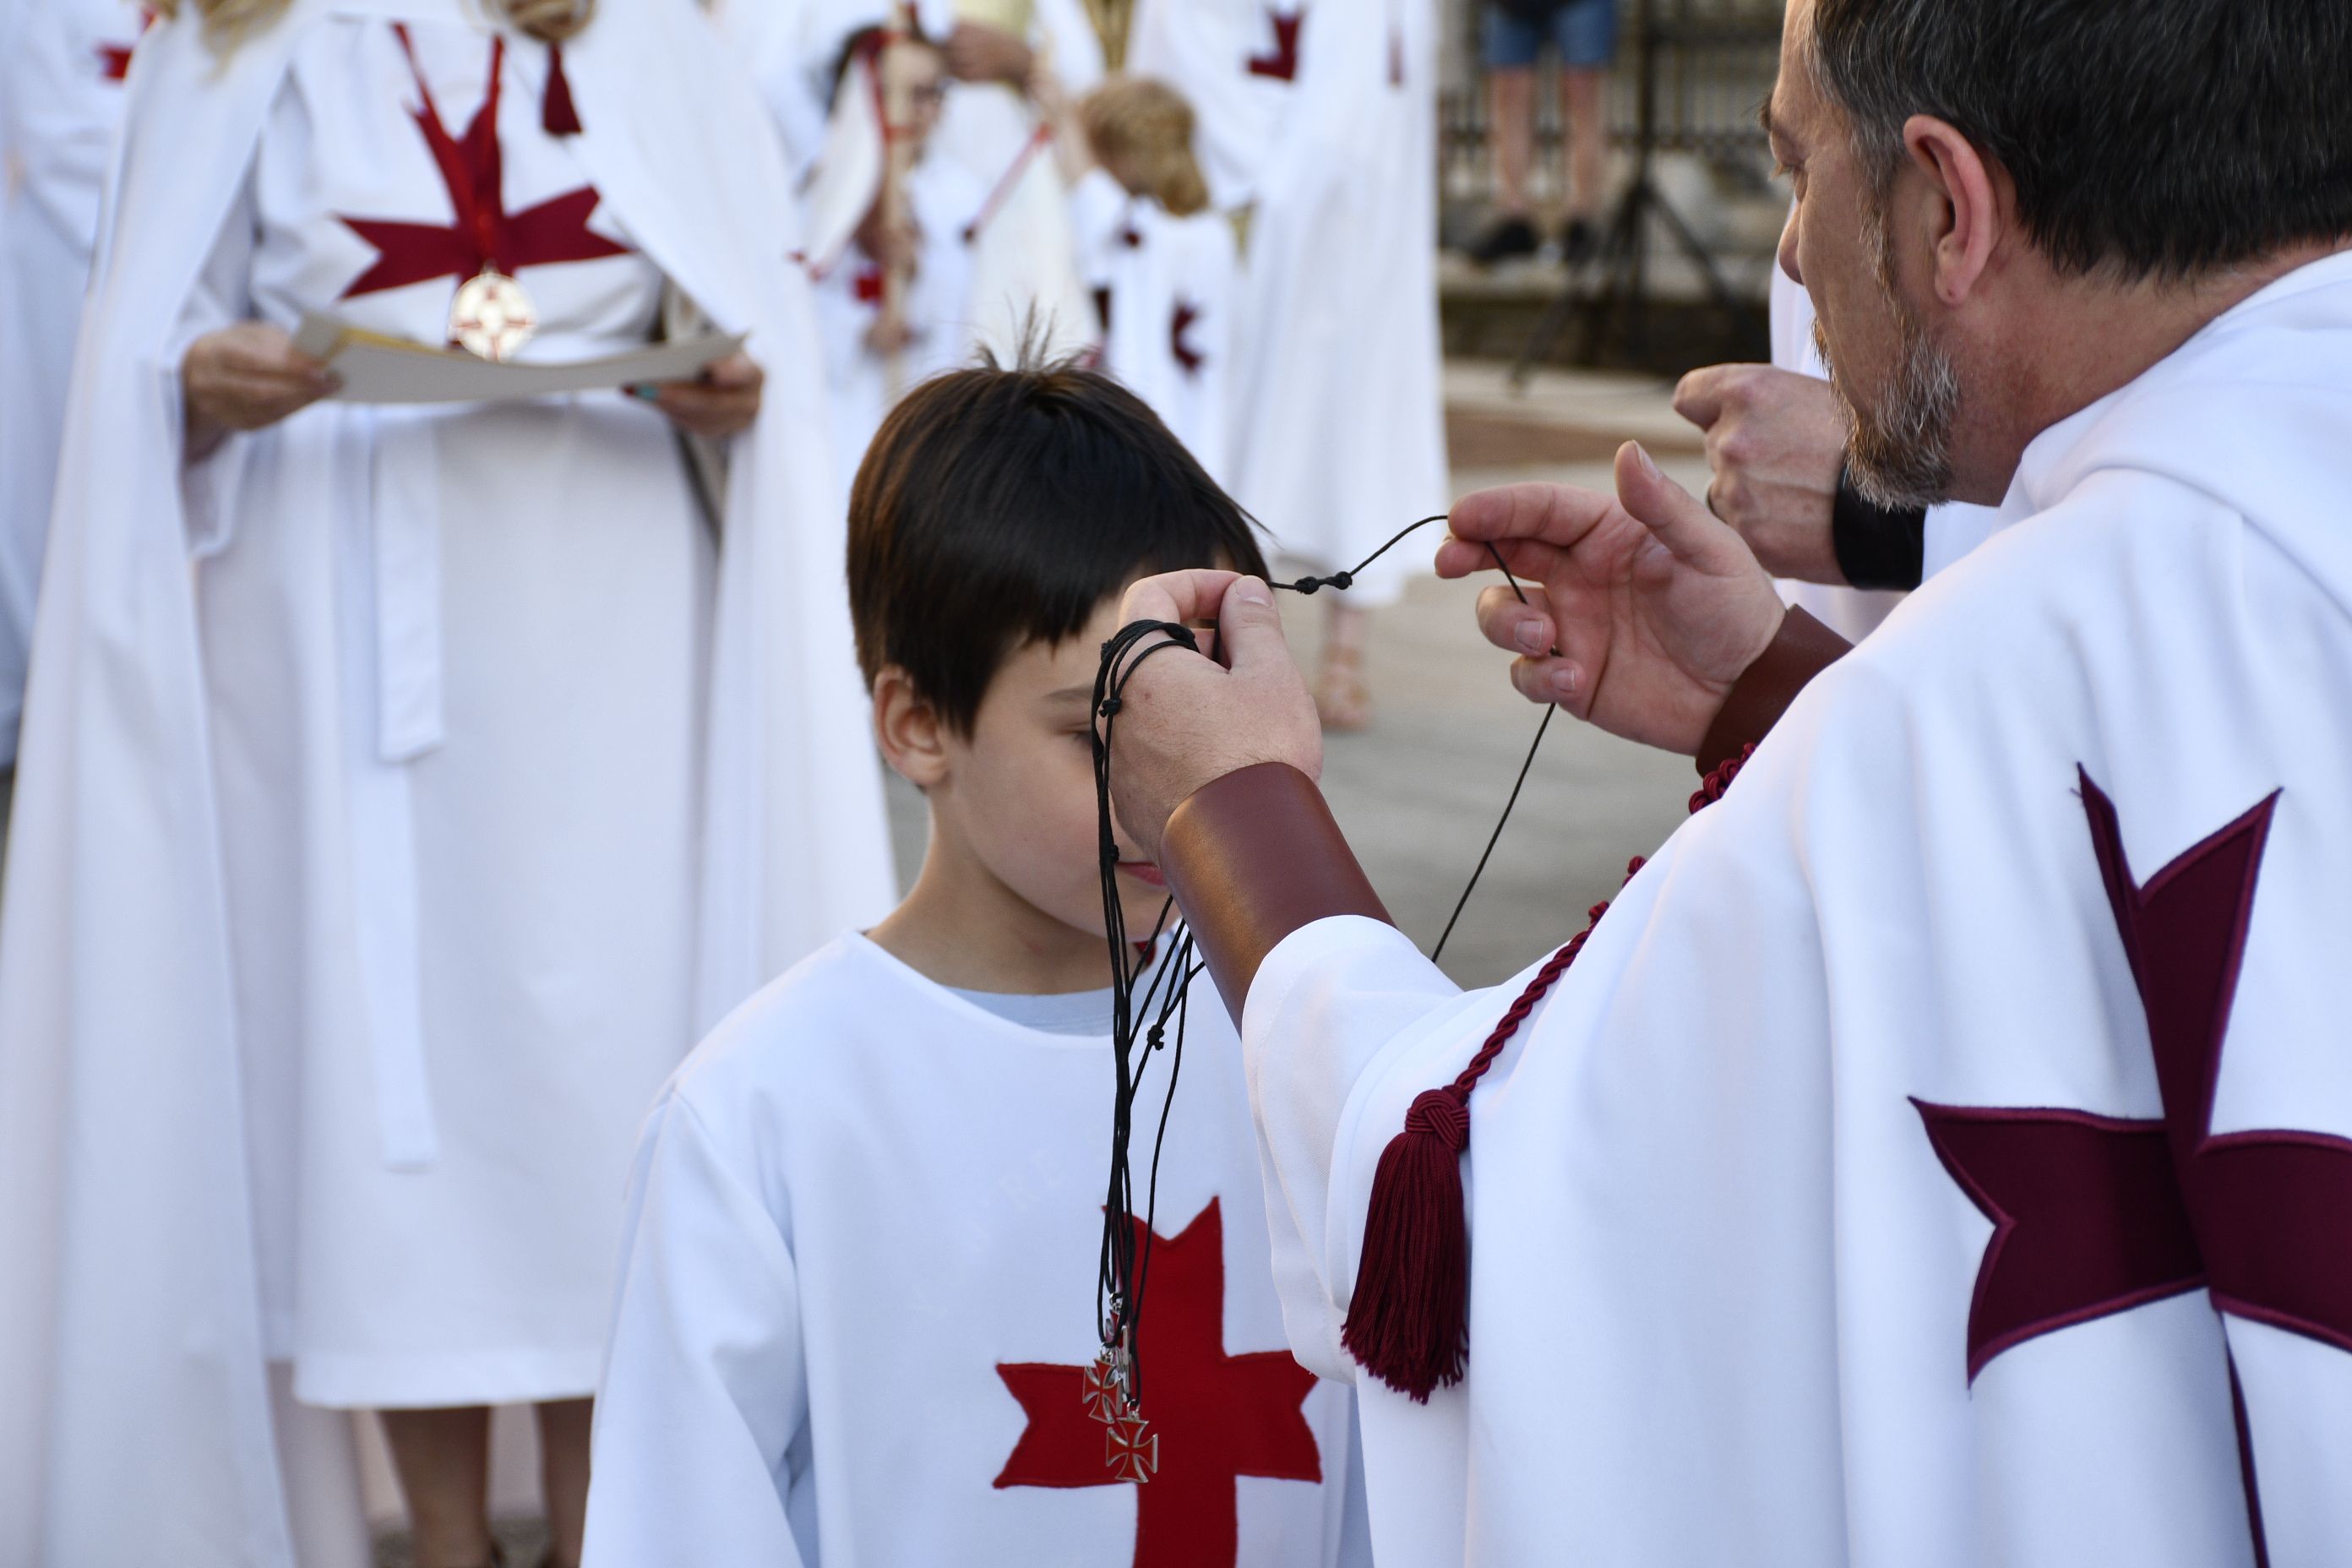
column 492, row 315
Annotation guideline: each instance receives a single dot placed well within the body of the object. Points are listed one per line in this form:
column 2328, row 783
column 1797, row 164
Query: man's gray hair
column 2146, row 138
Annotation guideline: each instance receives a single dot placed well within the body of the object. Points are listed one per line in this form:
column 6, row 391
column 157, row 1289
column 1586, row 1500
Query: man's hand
column 245, row 377
column 977, row 52
column 1775, row 442
column 723, row 402
column 1185, row 719
column 1642, row 611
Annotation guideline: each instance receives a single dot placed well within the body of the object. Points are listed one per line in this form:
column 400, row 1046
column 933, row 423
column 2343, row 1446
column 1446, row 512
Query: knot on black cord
column 1155, row 1036
column 1305, row 585
column 1341, row 579
column 1110, row 707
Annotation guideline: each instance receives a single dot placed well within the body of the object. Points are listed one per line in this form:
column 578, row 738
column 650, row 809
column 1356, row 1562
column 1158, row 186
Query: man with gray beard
column 1941, row 1153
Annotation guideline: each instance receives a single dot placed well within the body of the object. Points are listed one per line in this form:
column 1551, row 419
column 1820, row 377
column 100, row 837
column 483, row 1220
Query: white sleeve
column 1327, row 1003
column 704, row 1398
column 1097, row 202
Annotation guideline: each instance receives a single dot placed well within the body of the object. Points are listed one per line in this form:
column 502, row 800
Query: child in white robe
column 857, row 1300
column 1160, row 263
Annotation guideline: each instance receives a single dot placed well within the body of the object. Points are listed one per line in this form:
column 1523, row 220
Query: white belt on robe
column 403, row 555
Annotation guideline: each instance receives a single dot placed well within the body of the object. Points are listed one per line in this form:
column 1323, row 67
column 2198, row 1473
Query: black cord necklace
column 1113, row 1385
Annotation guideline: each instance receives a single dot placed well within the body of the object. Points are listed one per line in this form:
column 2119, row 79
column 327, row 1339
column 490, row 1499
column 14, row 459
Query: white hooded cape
column 59, row 102
column 137, row 1426
column 1721, row 1275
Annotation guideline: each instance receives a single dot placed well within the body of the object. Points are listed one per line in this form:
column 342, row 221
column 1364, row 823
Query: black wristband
column 1877, row 548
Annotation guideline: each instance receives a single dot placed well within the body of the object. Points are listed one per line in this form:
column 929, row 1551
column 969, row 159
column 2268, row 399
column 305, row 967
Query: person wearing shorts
column 1584, row 33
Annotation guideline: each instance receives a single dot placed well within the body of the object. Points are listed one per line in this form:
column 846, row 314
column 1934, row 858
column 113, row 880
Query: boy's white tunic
column 1728, row 1293
column 1166, row 286
column 402, row 792
column 858, row 1299
column 1323, row 117
column 61, row 68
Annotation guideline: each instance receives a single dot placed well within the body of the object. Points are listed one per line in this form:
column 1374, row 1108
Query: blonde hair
column 1141, row 129
column 228, row 22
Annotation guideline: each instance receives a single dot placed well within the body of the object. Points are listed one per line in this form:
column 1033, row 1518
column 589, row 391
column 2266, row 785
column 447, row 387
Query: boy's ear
column 908, row 729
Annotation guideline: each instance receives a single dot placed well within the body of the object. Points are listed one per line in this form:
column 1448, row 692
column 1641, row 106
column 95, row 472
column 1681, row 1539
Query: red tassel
column 1409, row 1324
column 557, row 116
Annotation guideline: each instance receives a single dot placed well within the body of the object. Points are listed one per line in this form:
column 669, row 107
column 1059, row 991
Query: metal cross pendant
column 1131, row 1449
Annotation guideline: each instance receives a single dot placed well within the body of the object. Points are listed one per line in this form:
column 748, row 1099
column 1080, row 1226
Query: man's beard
column 1898, row 450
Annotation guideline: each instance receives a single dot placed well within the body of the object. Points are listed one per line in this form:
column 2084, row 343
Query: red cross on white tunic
column 1206, row 1418
column 2094, row 1214
column 481, row 234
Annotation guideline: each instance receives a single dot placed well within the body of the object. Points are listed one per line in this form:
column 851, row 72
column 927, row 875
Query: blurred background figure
column 888, row 244
column 1160, row 263
column 62, row 63
column 1584, row 35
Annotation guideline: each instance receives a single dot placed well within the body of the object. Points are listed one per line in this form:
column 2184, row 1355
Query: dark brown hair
column 998, row 507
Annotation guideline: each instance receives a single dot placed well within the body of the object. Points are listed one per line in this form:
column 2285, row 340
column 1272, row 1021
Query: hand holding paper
column 723, row 401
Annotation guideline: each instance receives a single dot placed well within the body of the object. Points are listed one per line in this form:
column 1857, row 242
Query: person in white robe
column 892, row 267
column 1940, row 1153
column 1027, row 291
column 1160, row 261
column 1323, row 119
column 404, row 790
column 62, row 63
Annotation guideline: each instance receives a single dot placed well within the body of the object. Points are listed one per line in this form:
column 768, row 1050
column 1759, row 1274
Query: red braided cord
column 1710, row 788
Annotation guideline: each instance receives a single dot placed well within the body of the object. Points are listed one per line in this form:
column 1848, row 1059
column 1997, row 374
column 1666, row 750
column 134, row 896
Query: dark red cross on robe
column 1217, row 1416
column 2094, row 1214
column 481, row 232
column 1282, row 64
column 114, row 59
column 1179, row 324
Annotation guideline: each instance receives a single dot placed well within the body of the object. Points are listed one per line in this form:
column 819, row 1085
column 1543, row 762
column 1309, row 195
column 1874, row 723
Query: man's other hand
column 1643, row 609
column 1775, row 442
column 1185, row 719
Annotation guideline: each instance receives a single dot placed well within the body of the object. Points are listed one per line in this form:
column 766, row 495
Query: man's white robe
column 1167, row 285
column 858, row 1300
column 63, row 62
column 141, row 1181
column 1339, row 434
column 1721, row 1280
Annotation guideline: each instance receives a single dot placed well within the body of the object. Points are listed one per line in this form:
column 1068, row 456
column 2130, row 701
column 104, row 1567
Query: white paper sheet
column 379, row 369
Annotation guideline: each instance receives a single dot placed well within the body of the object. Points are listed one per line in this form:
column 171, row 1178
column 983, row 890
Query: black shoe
column 1504, row 240
column 1580, row 241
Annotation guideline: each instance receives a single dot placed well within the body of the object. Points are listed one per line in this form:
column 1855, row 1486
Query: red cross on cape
column 481, row 232
column 1215, row 1417
column 1282, row 62
column 2096, row 1214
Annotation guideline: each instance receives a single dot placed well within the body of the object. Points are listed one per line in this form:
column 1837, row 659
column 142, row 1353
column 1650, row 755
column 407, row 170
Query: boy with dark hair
column 857, row 1300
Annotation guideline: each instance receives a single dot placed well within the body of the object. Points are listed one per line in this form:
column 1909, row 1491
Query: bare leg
column 1585, row 97
column 563, row 1476
column 1512, row 92
column 1342, row 699
column 444, row 1460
